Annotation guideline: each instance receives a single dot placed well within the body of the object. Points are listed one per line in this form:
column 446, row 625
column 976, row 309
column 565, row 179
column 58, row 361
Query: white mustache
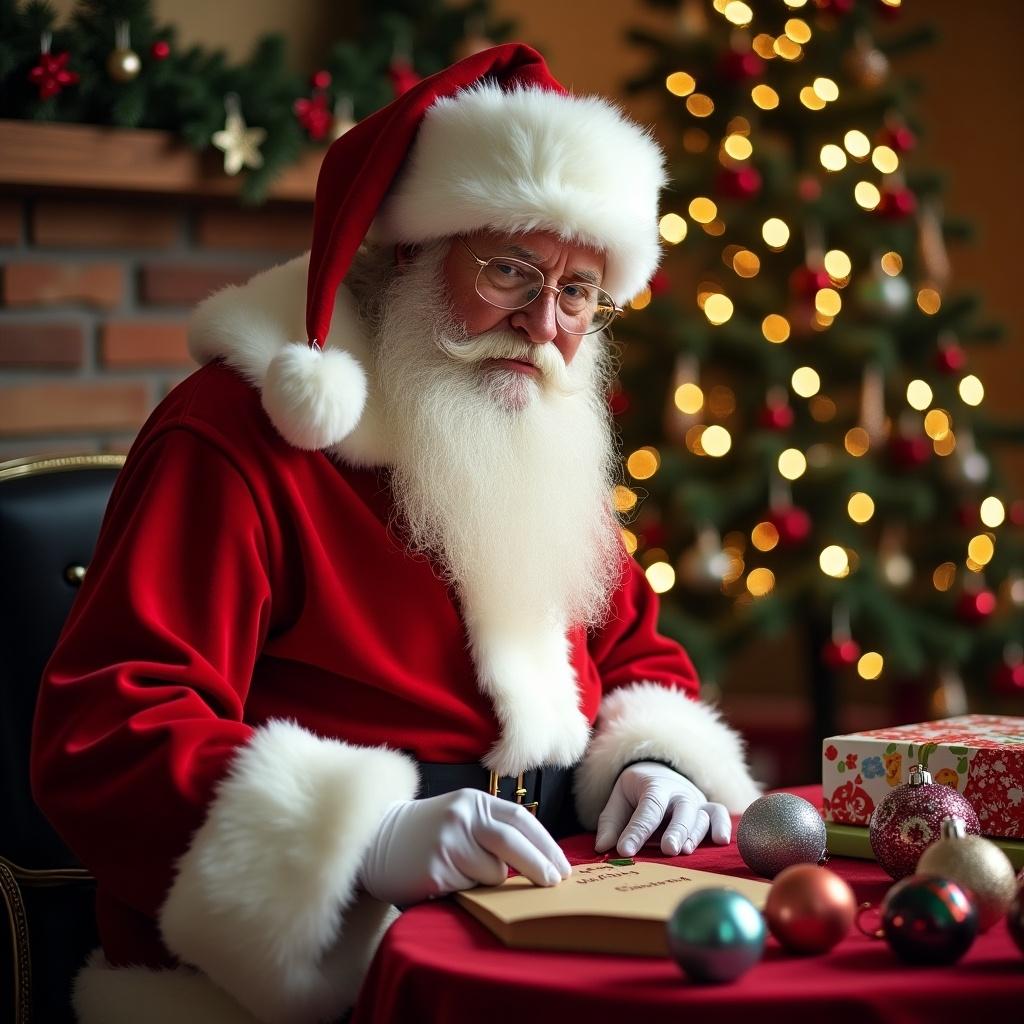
column 546, row 358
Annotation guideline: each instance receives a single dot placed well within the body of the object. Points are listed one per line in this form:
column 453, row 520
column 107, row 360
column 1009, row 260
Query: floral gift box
column 981, row 756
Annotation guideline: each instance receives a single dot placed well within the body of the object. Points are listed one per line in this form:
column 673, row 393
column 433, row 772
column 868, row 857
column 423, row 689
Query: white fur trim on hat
column 648, row 720
column 263, row 902
column 529, row 160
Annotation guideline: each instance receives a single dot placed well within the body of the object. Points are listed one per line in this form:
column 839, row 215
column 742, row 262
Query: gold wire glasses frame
column 509, row 283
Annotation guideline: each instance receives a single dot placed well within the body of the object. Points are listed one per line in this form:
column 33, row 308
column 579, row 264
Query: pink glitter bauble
column 909, row 820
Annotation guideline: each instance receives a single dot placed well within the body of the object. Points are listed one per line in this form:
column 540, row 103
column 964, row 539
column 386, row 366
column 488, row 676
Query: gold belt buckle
column 494, row 782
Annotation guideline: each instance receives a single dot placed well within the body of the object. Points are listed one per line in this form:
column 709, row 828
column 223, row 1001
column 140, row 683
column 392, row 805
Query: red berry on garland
column 950, row 358
column 739, row 66
column 320, row 79
column 776, row 416
column 897, row 204
column 976, row 606
column 403, row 76
column 160, row 50
column 840, row 654
column 738, row 183
column 314, row 115
column 52, row 74
column 909, row 452
column 805, row 283
column 792, row 524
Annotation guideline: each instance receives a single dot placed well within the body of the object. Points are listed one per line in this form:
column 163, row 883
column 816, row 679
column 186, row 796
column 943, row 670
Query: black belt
column 542, row 791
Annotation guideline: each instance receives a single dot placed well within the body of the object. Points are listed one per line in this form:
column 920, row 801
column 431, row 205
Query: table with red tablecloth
column 437, row 965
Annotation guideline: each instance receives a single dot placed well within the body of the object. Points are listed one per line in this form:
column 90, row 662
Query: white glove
column 647, row 793
column 441, row 844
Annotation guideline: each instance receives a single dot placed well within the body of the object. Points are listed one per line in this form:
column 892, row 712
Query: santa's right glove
column 441, row 844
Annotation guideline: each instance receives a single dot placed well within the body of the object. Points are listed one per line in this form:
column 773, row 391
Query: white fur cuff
column 648, row 720
column 258, row 900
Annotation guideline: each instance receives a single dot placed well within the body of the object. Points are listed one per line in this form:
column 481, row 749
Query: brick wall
column 95, row 295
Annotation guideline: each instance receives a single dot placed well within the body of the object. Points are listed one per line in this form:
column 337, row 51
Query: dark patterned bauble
column 809, row 908
column 977, row 865
column 928, row 920
column 778, row 830
column 716, row 935
column 909, row 820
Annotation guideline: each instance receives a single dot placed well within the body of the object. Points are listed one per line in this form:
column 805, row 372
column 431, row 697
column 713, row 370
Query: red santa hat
column 494, row 141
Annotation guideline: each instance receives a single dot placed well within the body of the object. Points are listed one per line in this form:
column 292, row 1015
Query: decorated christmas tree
column 113, row 64
column 806, row 439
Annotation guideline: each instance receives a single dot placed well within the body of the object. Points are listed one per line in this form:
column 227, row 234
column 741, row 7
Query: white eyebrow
column 590, row 276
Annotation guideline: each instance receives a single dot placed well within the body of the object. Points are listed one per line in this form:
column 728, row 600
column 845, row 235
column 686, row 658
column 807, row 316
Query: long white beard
column 502, row 478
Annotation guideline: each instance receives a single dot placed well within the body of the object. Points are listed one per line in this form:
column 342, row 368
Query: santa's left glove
column 647, row 794
column 459, row 840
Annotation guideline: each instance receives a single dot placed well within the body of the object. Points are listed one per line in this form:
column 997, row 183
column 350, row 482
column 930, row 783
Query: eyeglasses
column 509, row 283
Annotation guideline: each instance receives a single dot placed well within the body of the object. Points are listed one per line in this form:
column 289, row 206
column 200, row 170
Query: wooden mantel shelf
column 34, row 154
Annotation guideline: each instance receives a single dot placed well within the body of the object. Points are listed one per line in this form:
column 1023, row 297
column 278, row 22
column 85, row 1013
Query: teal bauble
column 716, row 935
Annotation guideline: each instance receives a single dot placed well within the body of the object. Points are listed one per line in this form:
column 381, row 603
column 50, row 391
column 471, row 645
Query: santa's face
column 560, row 262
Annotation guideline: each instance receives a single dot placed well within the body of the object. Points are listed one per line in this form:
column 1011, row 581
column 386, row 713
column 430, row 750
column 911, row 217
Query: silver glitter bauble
column 778, row 830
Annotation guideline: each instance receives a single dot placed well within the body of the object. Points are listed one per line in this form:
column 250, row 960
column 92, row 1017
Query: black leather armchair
column 50, row 513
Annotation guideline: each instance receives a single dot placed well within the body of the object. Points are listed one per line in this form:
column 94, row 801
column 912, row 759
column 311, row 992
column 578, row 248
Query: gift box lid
column 980, row 732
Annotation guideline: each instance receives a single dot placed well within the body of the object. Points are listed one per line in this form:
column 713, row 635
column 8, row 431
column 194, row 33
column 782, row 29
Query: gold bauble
column 123, row 65
column 976, row 864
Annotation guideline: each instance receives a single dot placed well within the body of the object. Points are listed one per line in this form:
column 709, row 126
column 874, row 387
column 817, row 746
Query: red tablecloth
column 437, row 965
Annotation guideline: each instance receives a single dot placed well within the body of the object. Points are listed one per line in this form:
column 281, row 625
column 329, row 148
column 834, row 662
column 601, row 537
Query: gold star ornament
column 239, row 142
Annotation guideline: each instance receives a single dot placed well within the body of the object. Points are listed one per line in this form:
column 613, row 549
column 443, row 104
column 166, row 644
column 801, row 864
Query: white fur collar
column 328, row 402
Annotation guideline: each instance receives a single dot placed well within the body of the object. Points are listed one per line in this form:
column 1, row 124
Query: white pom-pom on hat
column 314, row 397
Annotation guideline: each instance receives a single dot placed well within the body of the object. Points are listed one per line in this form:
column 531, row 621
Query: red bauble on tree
column 792, row 524
column 909, row 452
column 659, row 283
column 839, row 654
column 160, row 50
column 618, row 399
column 898, row 137
column 805, row 283
column 738, row 182
column 896, row 204
column 950, row 358
column 320, row 79
column 1008, row 679
column 1015, row 513
column 776, row 416
column 976, row 606
column 403, row 76
column 741, row 66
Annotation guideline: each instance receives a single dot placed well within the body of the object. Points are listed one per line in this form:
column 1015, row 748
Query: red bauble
column 738, row 183
column 909, row 452
column 805, row 283
column 909, row 820
column 809, row 908
column 975, row 606
column 320, row 79
column 160, row 50
column 314, row 115
column 793, row 525
column 618, row 399
column 1008, row 680
column 778, row 416
column 897, row 204
column 899, row 138
column 808, row 188
column 741, row 67
column 52, row 74
column 950, row 358
column 403, row 77
column 660, row 283
column 841, row 653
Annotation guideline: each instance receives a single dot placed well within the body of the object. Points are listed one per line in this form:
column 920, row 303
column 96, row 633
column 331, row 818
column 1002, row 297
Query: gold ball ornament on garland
column 975, row 864
column 809, row 908
column 123, row 64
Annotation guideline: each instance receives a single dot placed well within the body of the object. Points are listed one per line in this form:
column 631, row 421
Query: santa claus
column 359, row 629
